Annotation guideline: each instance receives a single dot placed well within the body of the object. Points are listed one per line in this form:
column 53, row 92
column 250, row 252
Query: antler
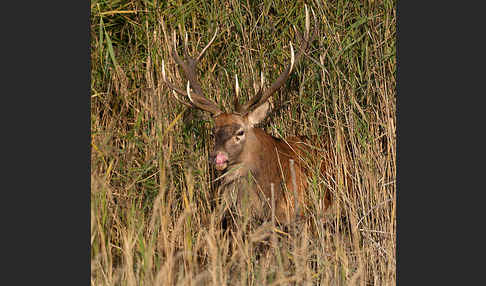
column 196, row 98
column 262, row 95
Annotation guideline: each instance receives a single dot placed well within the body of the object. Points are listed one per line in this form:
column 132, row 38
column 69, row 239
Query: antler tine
column 174, row 88
column 262, row 96
column 237, row 95
column 209, row 44
column 189, row 67
column 306, row 39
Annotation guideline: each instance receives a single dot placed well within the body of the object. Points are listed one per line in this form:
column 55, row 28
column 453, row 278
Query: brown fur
column 263, row 160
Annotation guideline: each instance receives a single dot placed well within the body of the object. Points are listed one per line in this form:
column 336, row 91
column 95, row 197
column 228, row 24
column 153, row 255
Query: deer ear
column 257, row 115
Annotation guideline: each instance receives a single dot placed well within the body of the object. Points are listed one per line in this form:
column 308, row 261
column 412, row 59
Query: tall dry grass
column 154, row 215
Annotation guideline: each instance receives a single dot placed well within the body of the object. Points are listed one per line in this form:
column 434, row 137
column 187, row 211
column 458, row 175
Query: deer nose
column 220, row 158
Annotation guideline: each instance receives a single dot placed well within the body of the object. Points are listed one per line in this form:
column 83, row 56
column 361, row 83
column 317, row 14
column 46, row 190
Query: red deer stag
column 250, row 160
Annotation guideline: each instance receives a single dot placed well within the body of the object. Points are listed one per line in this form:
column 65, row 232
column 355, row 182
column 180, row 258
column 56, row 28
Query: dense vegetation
column 152, row 197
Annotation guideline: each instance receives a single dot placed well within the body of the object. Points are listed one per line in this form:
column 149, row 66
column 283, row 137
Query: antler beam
column 262, row 95
column 196, row 98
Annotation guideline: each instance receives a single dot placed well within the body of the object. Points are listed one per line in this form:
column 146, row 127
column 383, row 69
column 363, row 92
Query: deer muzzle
column 221, row 161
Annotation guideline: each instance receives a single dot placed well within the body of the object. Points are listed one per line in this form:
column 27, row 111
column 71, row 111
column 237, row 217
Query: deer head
column 233, row 130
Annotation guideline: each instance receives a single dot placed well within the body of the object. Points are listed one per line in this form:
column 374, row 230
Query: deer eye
column 240, row 133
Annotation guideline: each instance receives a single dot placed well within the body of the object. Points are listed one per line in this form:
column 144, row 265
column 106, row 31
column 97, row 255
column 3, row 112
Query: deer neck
column 257, row 157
